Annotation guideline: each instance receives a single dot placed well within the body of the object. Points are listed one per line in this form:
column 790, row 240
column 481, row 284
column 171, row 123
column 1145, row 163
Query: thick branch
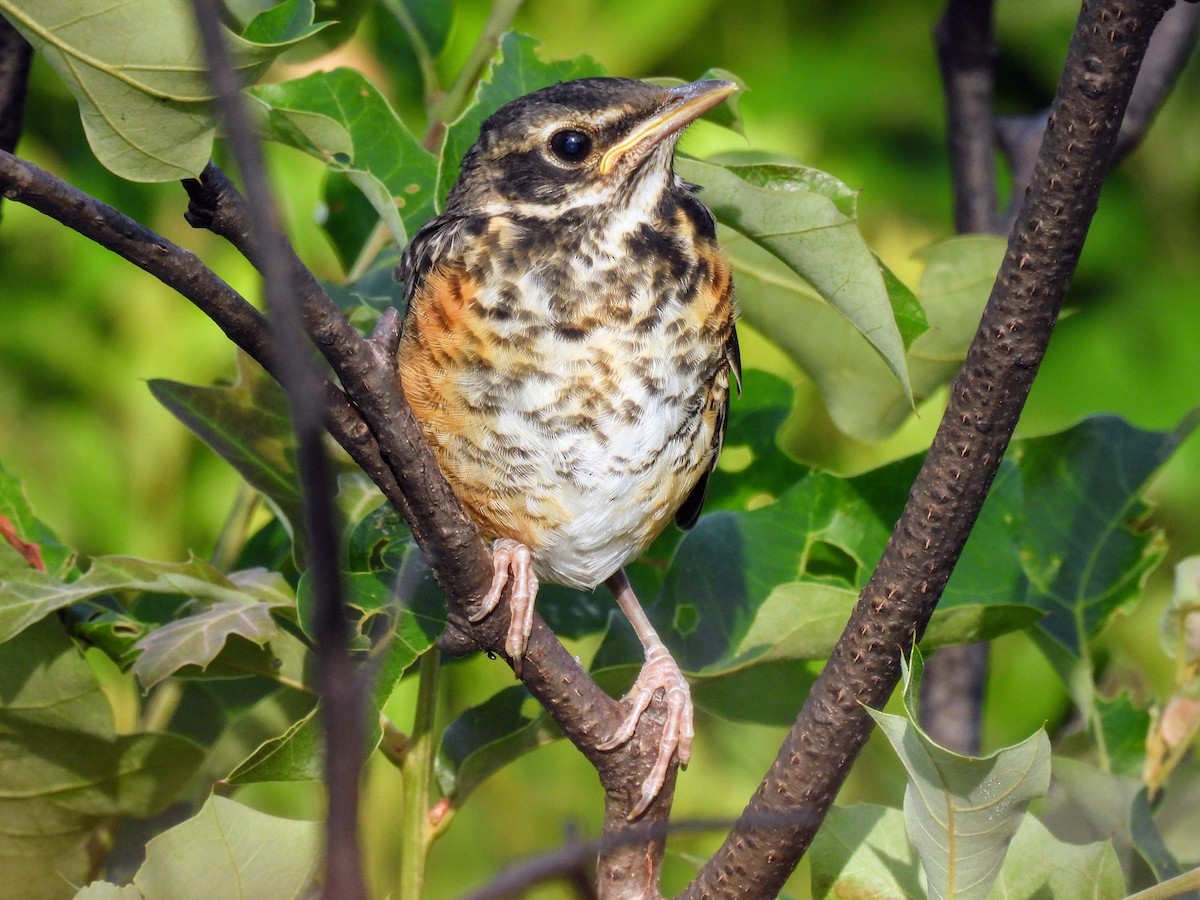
column 986, row 399
column 966, row 51
column 1168, row 53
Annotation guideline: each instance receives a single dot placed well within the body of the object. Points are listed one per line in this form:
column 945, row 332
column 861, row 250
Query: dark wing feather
column 688, row 514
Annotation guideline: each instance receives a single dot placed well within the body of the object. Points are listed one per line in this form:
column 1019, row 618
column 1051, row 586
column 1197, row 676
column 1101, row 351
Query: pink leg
column 659, row 671
column 509, row 556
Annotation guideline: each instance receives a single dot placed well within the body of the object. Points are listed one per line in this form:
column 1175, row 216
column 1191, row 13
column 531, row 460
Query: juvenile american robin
column 568, row 349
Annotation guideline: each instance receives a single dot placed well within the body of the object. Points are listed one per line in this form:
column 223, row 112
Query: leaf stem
column 421, row 50
column 417, row 769
column 236, row 528
column 451, row 104
column 1172, row 887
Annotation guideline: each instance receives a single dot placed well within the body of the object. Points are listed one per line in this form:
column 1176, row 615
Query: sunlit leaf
column 341, row 118
column 515, row 70
column 196, row 639
column 145, row 103
column 775, row 208
column 961, row 812
column 1086, row 804
column 228, row 850
column 1039, row 866
column 1086, row 561
column 62, row 766
column 863, row 851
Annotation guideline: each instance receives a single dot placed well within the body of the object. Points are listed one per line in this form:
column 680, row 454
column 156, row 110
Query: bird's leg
column 512, row 559
column 659, row 671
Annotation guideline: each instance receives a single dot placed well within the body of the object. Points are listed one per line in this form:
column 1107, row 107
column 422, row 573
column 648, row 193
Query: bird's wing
column 688, row 513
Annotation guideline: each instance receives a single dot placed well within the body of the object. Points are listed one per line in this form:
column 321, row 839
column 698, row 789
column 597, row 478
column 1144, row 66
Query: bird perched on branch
column 568, row 348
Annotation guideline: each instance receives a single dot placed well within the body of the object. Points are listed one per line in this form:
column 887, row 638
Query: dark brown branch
column 952, row 688
column 966, row 49
column 985, row 402
column 15, row 57
column 342, row 688
column 1169, row 51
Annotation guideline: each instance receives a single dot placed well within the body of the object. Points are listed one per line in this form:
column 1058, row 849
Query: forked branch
column 985, row 402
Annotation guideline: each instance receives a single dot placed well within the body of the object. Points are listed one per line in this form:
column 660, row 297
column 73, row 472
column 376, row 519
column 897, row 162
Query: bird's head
column 596, row 142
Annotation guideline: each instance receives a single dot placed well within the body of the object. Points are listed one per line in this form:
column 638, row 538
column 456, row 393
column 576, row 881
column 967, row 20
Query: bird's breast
column 570, row 397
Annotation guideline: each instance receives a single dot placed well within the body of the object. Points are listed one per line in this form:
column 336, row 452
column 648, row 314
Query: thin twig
column 966, row 50
column 342, row 692
column 985, row 403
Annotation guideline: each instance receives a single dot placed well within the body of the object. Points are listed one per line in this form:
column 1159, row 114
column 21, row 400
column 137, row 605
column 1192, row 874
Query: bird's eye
column 571, row 146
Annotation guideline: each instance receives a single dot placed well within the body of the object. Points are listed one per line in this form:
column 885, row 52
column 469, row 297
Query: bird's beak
column 682, row 106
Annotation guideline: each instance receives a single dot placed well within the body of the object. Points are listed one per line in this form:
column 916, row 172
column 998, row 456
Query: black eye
column 571, row 146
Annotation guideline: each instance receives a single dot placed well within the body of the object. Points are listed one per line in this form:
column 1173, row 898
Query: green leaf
column 26, row 597
column 961, row 812
column 14, row 506
column 1086, row 805
column 145, row 103
column 515, row 70
column 287, row 23
column 341, row 118
column 1040, row 866
column 390, row 632
column 775, row 208
column 487, row 737
column 427, row 23
column 1125, row 727
column 1083, row 551
column 247, row 424
column 762, row 468
column 229, row 850
column 862, row 395
column 62, row 766
column 197, row 638
column 863, row 851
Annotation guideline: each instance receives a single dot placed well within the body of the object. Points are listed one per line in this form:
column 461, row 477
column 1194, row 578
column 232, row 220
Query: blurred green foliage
column 851, row 89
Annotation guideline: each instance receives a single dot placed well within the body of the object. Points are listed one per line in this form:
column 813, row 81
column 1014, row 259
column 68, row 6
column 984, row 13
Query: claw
column 512, row 559
column 659, row 672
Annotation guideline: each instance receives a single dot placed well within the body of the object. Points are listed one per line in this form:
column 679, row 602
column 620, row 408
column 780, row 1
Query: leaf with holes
column 961, row 812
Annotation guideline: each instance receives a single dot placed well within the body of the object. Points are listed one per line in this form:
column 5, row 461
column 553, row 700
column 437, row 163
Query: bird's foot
column 660, row 671
column 512, row 559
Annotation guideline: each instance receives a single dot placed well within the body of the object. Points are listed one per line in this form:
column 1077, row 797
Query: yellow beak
column 682, row 106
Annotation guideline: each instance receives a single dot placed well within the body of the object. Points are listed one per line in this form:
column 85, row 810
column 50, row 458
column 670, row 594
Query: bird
column 568, row 349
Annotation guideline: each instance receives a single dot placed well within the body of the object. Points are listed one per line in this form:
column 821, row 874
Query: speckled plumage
column 568, row 355
column 568, row 349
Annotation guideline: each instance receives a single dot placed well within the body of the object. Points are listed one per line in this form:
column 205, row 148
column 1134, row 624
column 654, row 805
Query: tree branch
column 966, row 49
column 985, row 402
column 15, row 57
column 1168, row 53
